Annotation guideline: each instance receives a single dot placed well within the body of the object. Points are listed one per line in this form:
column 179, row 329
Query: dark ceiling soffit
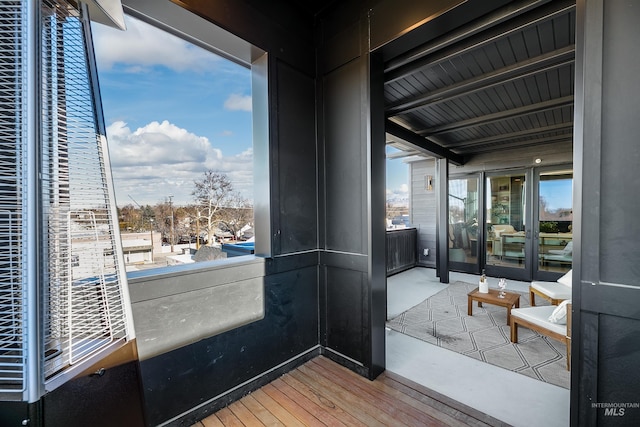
column 519, row 70
column 491, row 148
column 507, row 12
column 436, row 52
column 422, row 144
column 508, row 136
column 502, row 115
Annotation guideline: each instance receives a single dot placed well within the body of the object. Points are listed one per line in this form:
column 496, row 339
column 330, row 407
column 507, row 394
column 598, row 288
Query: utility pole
column 151, row 227
column 171, row 231
column 198, row 230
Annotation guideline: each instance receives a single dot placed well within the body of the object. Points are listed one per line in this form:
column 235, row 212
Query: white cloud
column 162, row 159
column 142, row 46
column 238, row 102
column 402, row 191
column 398, row 196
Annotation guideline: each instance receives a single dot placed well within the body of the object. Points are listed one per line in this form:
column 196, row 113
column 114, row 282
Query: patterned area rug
column 442, row 320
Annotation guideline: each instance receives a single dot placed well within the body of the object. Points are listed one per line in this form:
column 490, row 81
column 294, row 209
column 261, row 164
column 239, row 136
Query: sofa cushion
column 554, row 290
column 567, row 250
column 539, row 316
column 566, row 279
column 559, row 315
column 498, row 229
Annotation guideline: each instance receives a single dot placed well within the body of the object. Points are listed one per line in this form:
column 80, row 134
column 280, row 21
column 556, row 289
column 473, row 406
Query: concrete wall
column 174, row 307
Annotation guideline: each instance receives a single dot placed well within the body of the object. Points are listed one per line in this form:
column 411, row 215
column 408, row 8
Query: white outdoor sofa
column 546, row 321
column 554, row 292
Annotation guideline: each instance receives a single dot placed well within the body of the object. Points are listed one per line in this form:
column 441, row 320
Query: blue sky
column 172, row 111
column 557, row 193
column 397, row 177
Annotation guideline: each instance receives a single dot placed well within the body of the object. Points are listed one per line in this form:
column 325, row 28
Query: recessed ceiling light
column 538, row 161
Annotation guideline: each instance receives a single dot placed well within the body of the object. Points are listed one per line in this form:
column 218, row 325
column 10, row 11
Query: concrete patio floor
column 508, row 396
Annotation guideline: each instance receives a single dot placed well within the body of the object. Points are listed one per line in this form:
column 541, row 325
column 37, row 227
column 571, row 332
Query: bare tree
column 212, row 193
column 393, row 211
column 238, row 212
column 163, row 221
column 129, row 218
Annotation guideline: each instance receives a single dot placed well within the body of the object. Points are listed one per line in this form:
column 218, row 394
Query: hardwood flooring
column 323, row 393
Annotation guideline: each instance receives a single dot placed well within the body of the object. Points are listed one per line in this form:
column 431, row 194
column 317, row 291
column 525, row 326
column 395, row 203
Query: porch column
column 442, row 226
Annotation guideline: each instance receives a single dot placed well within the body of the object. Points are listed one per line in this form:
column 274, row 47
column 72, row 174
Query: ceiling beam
column 513, row 135
column 422, row 144
column 502, row 115
column 518, row 144
column 519, row 70
column 402, row 154
column 489, row 30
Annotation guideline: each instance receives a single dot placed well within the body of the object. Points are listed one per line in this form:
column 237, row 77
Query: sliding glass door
column 507, row 244
column 511, row 244
column 554, row 223
column 464, row 198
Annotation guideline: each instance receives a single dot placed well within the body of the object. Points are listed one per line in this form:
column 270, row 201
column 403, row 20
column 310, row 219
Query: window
column 555, row 221
column 179, row 127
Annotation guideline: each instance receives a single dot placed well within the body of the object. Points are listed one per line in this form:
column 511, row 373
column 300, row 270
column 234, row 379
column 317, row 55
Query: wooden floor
column 323, row 393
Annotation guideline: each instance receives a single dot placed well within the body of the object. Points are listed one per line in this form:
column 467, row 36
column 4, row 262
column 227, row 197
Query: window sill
column 176, row 306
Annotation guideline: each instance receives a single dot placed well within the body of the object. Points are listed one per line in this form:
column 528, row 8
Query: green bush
column 549, row 227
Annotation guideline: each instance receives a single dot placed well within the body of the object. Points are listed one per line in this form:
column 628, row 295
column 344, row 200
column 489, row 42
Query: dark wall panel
column 177, row 381
column 111, row 399
column 619, row 377
column 347, row 312
column 341, row 52
column 352, row 136
column 344, row 167
column 345, row 288
column 619, row 248
column 605, row 377
column 262, row 26
column 14, row 413
column 391, row 19
column 297, row 161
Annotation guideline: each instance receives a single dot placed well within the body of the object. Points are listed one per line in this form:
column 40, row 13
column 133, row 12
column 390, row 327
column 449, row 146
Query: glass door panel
column 506, row 241
column 555, row 221
column 463, row 223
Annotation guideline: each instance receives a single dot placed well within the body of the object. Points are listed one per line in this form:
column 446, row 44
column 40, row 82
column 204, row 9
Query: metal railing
column 402, row 250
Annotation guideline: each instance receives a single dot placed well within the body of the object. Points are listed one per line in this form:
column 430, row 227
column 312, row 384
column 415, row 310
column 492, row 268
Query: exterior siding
column 422, row 210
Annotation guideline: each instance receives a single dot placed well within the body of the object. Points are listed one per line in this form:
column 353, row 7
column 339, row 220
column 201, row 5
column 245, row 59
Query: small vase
column 483, row 287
